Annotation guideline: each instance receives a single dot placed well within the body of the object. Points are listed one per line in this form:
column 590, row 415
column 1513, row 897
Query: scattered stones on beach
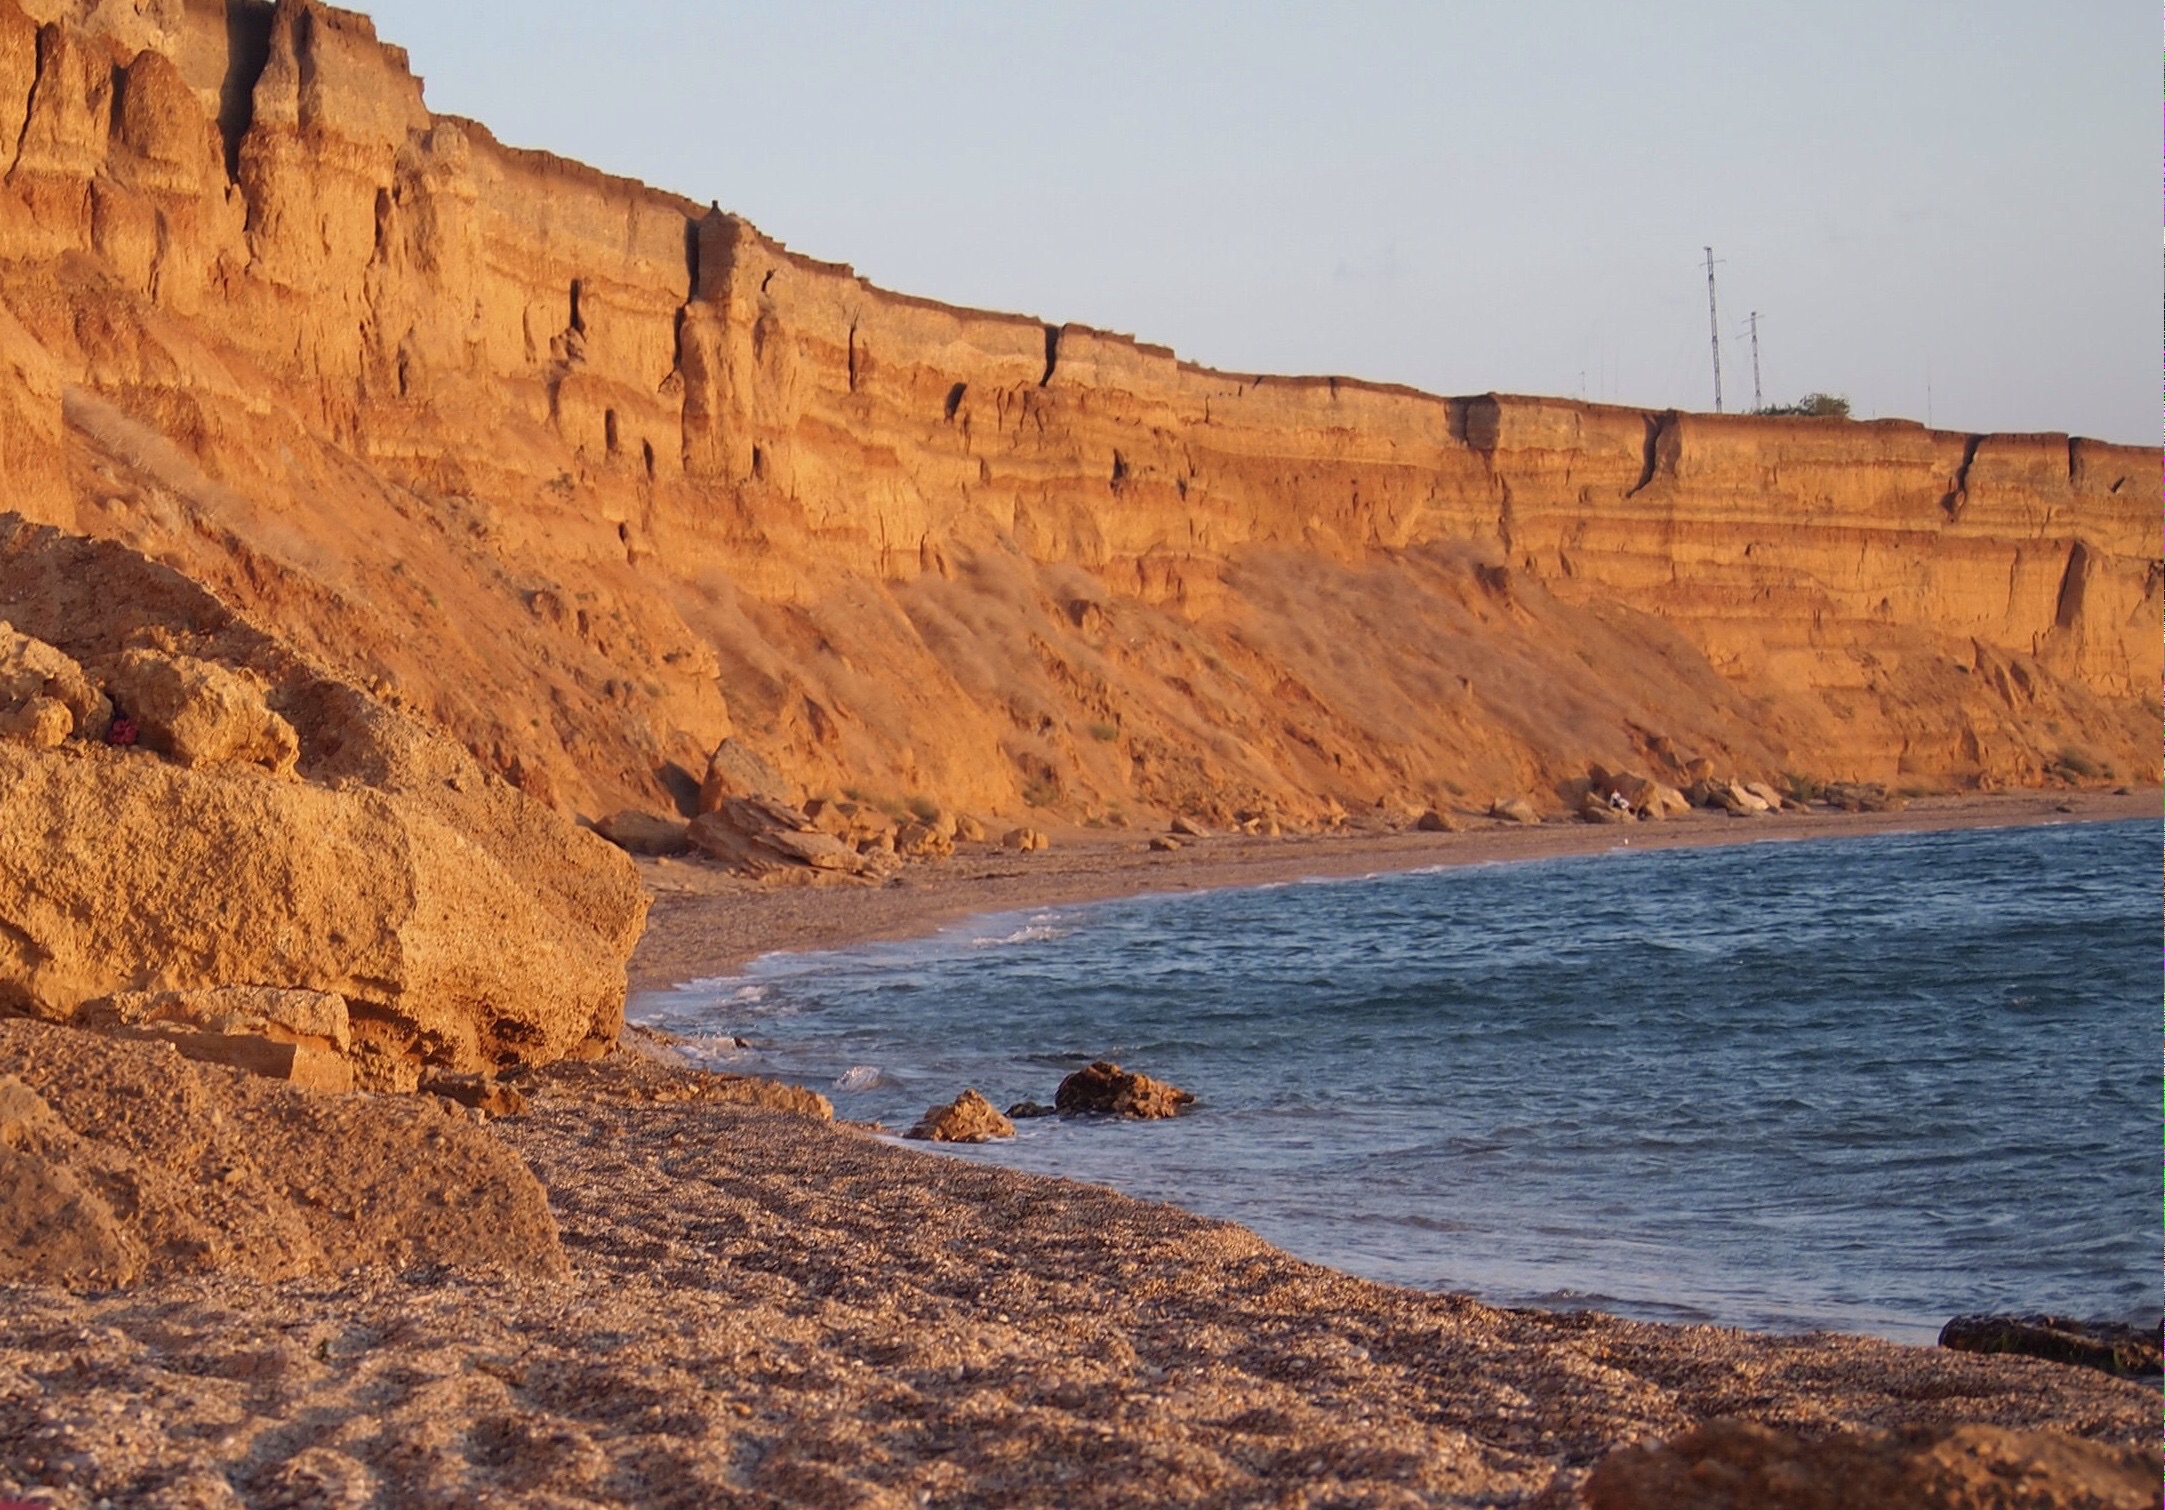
column 1731, row 1464
column 1436, row 821
column 969, row 1118
column 1514, row 810
column 2114, row 1347
column 1166, row 844
column 1027, row 840
column 1105, row 1089
column 1185, row 827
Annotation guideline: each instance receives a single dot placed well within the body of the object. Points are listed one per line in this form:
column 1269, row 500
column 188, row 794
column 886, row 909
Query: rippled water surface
column 1856, row 1083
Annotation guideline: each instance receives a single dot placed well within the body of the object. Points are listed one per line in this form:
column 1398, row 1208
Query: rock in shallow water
column 1105, row 1089
column 969, row 1118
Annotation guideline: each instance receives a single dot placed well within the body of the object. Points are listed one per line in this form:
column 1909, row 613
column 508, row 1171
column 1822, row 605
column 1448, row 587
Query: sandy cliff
column 591, row 476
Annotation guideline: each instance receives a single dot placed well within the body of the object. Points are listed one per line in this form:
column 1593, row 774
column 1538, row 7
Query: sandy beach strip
column 708, row 922
column 767, row 1310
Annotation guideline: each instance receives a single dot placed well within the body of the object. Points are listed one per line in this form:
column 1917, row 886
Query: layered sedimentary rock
column 593, row 477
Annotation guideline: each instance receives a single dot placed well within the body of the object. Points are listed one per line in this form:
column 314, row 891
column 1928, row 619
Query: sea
column 1857, row 1084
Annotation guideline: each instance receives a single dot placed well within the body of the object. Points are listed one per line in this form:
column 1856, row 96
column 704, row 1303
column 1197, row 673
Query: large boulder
column 123, row 1161
column 199, row 712
column 735, row 769
column 120, row 872
column 464, row 925
column 761, row 836
column 34, row 673
column 645, row 833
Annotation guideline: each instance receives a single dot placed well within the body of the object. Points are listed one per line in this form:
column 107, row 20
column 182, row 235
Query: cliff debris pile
column 598, row 480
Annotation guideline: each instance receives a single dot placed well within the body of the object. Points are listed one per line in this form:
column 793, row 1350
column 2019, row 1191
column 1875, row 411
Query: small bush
column 1802, row 788
column 1041, row 791
column 2077, row 762
column 923, row 809
column 1105, row 733
column 1811, row 406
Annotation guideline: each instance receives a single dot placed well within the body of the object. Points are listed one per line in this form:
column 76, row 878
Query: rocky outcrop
column 1105, row 1089
column 969, row 1118
column 280, row 873
column 768, row 839
column 1742, row 1465
column 597, row 479
column 122, row 1161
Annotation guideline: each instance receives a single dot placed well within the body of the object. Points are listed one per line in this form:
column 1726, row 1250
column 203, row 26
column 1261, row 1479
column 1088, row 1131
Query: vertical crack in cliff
column 1657, row 425
column 2074, row 586
column 853, row 365
column 248, row 53
column 1052, row 353
column 1959, row 494
column 691, row 259
column 954, row 400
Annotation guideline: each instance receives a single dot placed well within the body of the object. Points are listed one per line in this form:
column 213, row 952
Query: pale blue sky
column 1459, row 197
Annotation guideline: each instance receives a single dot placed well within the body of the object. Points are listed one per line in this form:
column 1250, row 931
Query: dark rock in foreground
column 1741, row 1465
column 2111, row 1346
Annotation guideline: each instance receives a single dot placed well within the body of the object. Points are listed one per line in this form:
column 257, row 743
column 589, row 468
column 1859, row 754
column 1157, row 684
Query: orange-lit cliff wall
column 594, row 475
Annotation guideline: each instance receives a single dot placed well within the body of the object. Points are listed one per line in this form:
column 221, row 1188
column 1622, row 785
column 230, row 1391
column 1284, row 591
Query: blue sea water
column 1860, row 1083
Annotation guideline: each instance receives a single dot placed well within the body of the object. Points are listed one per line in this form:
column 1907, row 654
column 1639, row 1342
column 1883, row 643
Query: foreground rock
column 1739, row 1465
column 302, row 1036
column 1105, row 1089
column 248, row 821
column 969, row 1118
column 2113, row 1347
column 122, row 1162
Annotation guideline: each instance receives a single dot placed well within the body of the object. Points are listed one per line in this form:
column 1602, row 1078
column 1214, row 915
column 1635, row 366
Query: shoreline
column 707, row 923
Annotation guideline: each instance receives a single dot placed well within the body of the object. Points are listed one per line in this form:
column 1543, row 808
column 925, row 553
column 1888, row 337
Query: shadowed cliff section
column 591, row 476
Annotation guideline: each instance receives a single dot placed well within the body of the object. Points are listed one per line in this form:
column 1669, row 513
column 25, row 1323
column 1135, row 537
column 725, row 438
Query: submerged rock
column 2113, row 1347
column 1105, row 1089
column 969, row 1118
column 1024, row 1110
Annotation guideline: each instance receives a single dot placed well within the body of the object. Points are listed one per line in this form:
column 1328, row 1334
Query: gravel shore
column 767, row 1309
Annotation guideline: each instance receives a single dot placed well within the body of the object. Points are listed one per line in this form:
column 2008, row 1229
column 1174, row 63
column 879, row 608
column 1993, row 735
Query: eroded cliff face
column 591, row 476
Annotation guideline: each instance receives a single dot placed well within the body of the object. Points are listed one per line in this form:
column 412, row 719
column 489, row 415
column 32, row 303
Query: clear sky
column 1927, row 202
